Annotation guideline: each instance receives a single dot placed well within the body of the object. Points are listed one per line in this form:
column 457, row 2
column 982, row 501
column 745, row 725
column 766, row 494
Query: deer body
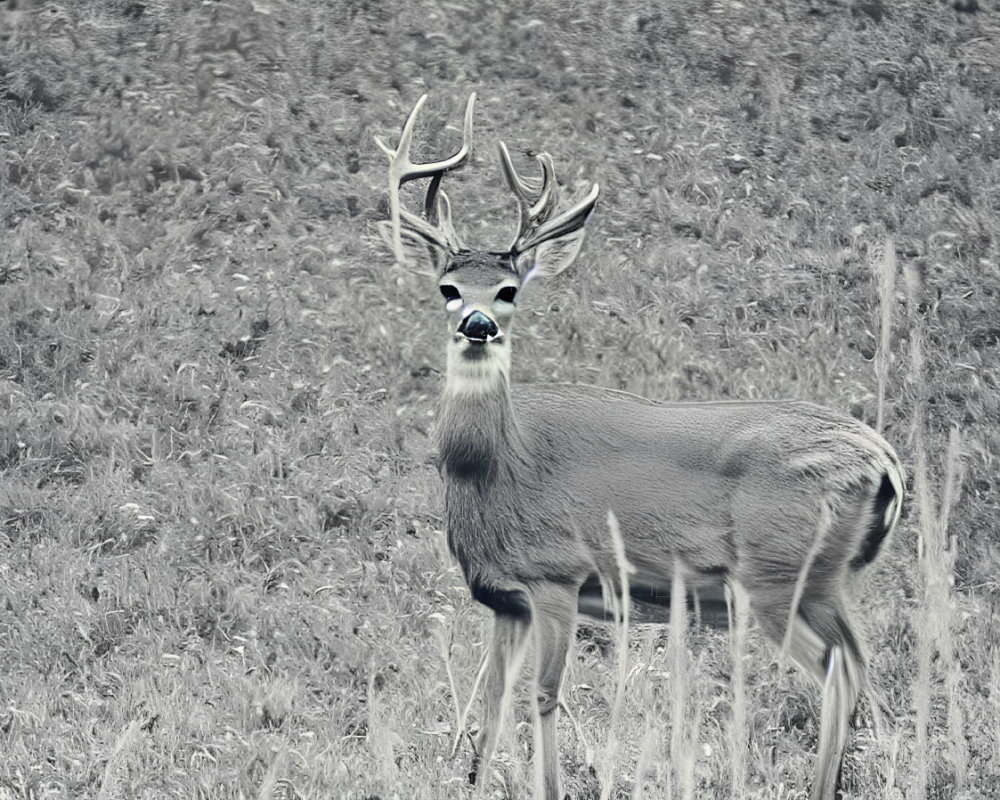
column 788, row 499
column 684, row 479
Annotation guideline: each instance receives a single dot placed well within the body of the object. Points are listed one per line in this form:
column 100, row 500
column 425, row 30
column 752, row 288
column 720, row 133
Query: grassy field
column 222, row 563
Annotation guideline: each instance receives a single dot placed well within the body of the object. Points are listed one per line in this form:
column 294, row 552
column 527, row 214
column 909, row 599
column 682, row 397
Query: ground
column 223, row 570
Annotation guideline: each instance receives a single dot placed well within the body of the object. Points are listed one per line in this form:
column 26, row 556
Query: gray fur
column 530, row 477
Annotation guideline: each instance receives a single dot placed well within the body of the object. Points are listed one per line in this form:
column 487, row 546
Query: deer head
column 480, row 287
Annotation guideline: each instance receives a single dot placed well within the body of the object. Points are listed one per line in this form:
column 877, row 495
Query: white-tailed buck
column 787, row 499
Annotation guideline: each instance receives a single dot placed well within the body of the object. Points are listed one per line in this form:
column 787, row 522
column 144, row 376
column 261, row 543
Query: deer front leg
column 504, row 662
column 555, row 625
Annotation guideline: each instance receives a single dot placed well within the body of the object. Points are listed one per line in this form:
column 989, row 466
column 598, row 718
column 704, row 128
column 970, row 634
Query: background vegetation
column 222, row 567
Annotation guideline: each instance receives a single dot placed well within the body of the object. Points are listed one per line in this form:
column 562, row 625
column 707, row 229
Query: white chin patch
column 453, row 305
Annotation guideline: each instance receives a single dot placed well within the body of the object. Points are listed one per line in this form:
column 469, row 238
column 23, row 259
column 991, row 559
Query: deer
column 789, row 500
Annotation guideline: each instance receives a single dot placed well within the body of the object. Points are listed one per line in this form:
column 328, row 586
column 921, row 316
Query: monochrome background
column 222, row 565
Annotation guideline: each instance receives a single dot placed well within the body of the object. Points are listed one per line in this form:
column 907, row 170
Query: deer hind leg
column 845, row 667
column 823, row 641
column 503, row 665
column 555, row 626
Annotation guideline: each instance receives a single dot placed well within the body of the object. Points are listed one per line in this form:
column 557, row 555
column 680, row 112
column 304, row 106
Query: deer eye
column 449, row 292
column 507, row 294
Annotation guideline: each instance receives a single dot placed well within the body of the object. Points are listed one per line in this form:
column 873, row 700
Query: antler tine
column 456, row 161
column 536, row 205
column 521, row 188
column 442, row 218
column 402, row 170
column 567, row 222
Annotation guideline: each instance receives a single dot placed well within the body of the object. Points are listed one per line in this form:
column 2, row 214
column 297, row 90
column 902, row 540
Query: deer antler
column 536, row 205
column 435, row 226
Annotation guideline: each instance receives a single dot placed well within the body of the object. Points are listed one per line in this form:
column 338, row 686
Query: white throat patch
column 479, row 374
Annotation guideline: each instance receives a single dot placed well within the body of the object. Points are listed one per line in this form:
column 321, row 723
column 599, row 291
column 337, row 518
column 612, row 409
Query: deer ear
column 552, row 257
column 416, row 249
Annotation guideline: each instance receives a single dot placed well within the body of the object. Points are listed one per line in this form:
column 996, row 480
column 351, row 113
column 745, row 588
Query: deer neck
column 477, row 429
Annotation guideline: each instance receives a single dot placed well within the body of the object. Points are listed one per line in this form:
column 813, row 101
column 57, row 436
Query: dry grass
column 222, row 568
column 936, row 683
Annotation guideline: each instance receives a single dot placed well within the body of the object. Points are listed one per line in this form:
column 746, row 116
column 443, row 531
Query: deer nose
column 477, row 327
